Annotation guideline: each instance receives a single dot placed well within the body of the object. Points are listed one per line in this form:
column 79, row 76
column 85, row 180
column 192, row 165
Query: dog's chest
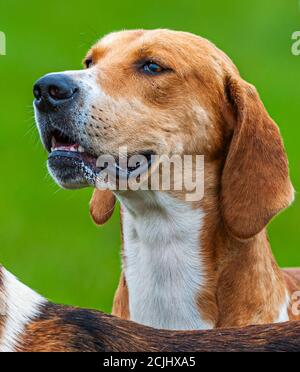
column 164, row 268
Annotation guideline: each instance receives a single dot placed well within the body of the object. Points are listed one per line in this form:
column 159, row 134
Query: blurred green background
column 46, row 236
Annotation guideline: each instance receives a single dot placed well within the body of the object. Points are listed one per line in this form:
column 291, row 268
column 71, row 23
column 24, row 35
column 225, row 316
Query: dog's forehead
column 116, row 42
column 121, row 37
column 172, row 43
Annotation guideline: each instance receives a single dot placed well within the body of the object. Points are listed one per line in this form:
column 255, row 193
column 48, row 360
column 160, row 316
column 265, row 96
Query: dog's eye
column 88, row 62
column 152, row 68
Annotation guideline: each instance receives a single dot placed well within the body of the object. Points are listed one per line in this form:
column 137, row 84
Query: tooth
column 81, row 149
column 53, row 143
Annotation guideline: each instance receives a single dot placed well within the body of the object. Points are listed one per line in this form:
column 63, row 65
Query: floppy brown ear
column 255, row 182
column 102, row 206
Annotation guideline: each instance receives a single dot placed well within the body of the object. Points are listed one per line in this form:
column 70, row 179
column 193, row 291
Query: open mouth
column 70, row 161
column 63, row 146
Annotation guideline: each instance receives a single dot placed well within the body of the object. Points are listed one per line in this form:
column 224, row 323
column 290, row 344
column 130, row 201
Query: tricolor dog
column 186, row 264
column 30, row 323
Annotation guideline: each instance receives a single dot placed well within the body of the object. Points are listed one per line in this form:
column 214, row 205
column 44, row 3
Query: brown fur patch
column 255, row 181
column 66, row 329
column 102, row 206
column 294, row 274
column 121, row 300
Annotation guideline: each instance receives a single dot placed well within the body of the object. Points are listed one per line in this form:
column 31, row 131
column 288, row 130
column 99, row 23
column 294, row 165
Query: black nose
column 53, row 90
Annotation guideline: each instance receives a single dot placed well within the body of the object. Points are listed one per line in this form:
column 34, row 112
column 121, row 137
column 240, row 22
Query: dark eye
column 152, row 68
column 88, row 62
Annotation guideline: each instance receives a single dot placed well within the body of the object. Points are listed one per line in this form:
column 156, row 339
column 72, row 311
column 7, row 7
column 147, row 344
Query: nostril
column 54, row 92
column 61, row 92
column 37, row 92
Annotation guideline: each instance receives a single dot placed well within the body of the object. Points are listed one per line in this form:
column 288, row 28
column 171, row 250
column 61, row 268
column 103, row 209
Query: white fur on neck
column 163, row 267
column 21, row 306
column 283, row 311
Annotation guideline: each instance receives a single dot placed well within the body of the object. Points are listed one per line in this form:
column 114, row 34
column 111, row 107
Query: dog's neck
column 163, row 263
column 184, row 271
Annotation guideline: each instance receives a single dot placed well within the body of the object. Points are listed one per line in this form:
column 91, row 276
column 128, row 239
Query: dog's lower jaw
column 163, row 263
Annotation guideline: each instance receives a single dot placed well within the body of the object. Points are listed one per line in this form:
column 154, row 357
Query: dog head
column 163, row 92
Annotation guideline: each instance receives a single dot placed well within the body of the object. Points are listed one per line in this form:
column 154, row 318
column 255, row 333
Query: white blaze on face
column 21, row 305
column 85, row 79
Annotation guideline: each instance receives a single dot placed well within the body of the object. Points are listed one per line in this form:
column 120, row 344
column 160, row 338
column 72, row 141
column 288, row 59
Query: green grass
column 46, row 236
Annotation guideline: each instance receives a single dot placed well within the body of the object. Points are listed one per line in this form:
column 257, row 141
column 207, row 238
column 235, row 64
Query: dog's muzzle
column 57, row 100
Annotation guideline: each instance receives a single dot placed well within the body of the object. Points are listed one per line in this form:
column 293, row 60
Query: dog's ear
column 102, row 206
column 255, row 181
